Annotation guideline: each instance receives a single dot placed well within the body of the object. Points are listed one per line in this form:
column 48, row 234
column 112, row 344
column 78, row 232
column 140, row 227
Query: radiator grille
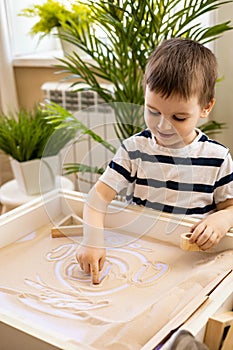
column 66, row 96
column 89, row 108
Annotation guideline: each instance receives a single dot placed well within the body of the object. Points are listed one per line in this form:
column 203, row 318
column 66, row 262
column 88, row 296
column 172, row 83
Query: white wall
column 223, row 110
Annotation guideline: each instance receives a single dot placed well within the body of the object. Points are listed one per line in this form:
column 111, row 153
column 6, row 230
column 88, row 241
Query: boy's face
column 172, row 121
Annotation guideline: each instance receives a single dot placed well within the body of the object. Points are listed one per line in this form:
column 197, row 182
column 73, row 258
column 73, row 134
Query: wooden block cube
column 215, row 331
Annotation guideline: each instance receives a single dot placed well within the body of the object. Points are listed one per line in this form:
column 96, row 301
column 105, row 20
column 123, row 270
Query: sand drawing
column 115, row 268
column 43, row 281
column 79, row 295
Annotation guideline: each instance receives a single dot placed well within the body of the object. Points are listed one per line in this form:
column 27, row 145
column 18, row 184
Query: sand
column 143, row 285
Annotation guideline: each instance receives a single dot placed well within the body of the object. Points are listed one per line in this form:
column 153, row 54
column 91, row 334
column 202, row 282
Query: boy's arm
column 91, row 254
column 208, row 232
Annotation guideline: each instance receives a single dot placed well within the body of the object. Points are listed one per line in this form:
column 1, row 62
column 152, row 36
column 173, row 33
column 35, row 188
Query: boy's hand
column 91, row 260
column 208, row 232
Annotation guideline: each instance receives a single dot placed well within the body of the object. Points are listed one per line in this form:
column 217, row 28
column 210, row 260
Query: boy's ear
column 207, row 109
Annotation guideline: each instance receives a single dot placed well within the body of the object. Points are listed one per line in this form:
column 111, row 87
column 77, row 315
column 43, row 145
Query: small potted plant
column 33, row 145
column 56, row 18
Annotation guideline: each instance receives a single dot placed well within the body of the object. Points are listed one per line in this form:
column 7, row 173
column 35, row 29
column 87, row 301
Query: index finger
column 95, row 272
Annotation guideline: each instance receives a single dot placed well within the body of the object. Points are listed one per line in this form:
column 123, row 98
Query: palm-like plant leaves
column 64, row 120
column 133, row 29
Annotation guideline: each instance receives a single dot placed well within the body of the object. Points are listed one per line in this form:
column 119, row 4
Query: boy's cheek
column 151, row 123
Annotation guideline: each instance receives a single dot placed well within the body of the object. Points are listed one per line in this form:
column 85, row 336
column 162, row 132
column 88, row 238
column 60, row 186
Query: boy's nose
column 164, row 124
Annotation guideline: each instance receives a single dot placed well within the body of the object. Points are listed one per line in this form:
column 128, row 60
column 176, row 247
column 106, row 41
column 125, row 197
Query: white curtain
column 8, row 95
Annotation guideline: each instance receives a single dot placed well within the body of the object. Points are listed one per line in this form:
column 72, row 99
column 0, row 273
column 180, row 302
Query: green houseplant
column 57, row 19
column 32, row 143
column 132, row 30
column 53, row 14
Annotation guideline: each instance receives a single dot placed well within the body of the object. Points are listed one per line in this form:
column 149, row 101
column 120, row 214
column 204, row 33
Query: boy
column 171, row 166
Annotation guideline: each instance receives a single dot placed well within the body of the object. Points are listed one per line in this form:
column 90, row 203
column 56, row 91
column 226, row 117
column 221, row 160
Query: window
column 21, row 42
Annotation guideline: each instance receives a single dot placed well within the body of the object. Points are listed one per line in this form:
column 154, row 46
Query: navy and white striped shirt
column 189, row 180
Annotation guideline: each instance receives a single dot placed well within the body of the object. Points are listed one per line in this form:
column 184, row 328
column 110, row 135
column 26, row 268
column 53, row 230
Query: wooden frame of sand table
column 149, row 286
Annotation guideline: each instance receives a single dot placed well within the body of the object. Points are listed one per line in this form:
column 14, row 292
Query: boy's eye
column 177, row 118
column 154, row 113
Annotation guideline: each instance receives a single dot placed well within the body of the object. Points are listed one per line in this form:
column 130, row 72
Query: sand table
column 144, row 284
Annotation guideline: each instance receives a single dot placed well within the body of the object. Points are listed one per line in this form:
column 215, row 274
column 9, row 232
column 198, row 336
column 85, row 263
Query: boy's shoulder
column 143, row 135
column 206, row 140
column 210, row 145
column 139, row 141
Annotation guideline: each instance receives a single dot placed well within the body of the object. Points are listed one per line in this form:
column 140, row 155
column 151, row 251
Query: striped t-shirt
column 189, row 180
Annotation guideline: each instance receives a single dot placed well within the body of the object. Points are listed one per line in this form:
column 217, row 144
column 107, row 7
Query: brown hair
column 184, row 68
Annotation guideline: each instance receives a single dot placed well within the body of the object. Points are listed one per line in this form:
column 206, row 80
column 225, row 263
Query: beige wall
column 5, row 169
column 223, row 110
column 29, row 81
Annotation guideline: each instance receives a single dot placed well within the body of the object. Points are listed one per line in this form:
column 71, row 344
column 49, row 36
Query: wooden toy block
column 228, row 342
column 71, row 225
column 215, row 331
column 185, row 245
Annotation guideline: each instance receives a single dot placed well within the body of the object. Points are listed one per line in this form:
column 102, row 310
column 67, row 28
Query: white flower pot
column 68, row 47
column 36, row 176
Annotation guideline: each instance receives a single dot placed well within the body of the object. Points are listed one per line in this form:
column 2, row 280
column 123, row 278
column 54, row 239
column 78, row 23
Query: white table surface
column 11, row 196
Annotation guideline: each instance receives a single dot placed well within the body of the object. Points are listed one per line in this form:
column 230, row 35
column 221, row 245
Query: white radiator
column 98, row 116
column 65, row 95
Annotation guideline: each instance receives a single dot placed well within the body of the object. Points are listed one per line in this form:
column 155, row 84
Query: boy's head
column 182, row 68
